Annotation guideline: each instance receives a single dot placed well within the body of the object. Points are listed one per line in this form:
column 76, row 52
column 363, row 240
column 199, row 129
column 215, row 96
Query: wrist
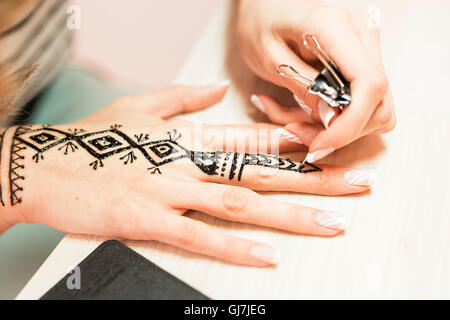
column 11, row 179
column 5, row 224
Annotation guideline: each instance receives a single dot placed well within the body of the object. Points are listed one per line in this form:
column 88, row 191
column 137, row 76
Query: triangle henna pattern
column 15, row 167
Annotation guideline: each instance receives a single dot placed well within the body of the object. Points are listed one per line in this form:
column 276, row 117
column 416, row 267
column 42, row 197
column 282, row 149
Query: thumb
column 176, row 99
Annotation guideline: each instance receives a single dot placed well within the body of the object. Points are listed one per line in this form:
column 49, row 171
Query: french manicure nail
column 326, row 113
column 331, row 220
column 257, row 102
column 265, row 254
column 319, row 154
column 307, row 109
column 224, row 83
column 284, row 134
column 360, row 177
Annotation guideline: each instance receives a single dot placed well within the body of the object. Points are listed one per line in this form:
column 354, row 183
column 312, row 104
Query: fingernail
column 265, row 254
column 360, row 177
column 223, row 83
column 331, row 220
column 319, row 154
column 257, row 102
column 284, row 134
column 307, row 109
column 326, row 113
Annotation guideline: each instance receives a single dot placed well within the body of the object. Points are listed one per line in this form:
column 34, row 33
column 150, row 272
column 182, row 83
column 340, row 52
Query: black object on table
column 114, row 271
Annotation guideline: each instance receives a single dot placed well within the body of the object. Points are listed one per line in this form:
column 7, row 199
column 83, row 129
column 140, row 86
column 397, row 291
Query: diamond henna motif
column 104, row 143
column 43, row 137
column 163, row 150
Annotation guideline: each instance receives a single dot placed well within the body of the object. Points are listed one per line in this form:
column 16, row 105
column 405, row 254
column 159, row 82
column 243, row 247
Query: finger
column 269, row 172
column 282, row 54
column 176, row 99
column 252, row 138
column 306, row 132
column 198, row 237
column 383, row 119
column 277, row 113
column 326, row 113
column 243, row 205
column 349, row 124
column 369, row 34
column 329, row 180
column 368, row 86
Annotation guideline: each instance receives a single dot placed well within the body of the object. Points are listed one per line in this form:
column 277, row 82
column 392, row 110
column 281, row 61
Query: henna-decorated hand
column 137, row 179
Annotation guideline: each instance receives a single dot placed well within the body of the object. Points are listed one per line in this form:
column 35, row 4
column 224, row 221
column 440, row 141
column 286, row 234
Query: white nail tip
column 257, row 103
column 331, row 220
column 307, row 109
column 310, row 157
column 317, row 155
column 284, row 134
column 224, row 83
column 266, row 254
column 326, row 113
column 360, row 177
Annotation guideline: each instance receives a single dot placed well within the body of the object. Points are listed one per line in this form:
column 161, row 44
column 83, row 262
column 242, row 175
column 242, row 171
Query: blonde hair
column 12, row 12
column 10, row 89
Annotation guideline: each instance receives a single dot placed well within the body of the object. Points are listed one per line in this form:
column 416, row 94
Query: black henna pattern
column 106, row 143
column 16, row 166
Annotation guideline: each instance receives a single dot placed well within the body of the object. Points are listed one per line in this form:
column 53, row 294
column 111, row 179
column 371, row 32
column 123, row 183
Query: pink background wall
column 141, row 43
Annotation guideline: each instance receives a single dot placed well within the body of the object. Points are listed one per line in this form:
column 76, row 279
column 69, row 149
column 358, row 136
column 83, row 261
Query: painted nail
column 307, row 109
column 265, row 254
column 360, row 177
column 257, row 102
column 326, row 113
column 223, row 83
column 319, row 154
column 331, row 220
column 284, row 134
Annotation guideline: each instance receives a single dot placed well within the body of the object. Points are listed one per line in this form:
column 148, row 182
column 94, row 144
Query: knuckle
column 389, row 122
column 235, row 200
column 188, row 235
column 211, row 142
column 385, row 119
column 322, row 180
column 379, row 83
column 392, row 123
column 295, row 219
column 265, row 175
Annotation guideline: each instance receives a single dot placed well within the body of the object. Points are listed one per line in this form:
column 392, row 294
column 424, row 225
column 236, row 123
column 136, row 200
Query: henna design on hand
column 106, row 143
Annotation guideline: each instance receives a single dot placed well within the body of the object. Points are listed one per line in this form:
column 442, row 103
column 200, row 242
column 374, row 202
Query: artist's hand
column 270, row 33
column 125, row 172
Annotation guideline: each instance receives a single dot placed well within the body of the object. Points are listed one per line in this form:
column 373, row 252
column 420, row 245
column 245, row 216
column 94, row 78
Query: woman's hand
column 270, row 33
column 124, row 172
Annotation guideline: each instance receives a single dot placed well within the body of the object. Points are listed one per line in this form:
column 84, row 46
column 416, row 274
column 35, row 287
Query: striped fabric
column 39, row 45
